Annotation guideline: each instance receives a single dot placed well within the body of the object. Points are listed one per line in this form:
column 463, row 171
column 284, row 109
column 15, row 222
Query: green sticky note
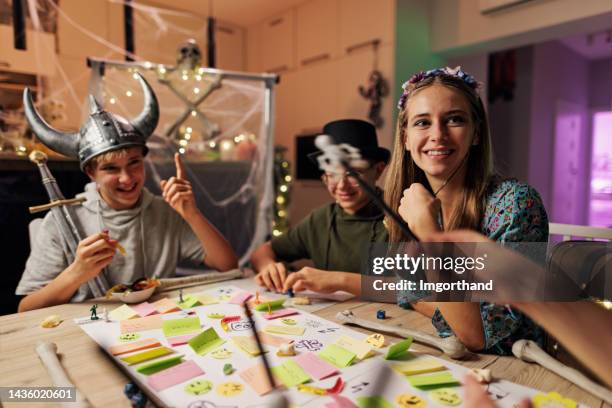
column 373, row 402
column 155, row 366
column 205, row 341
column 273, row 304
column 147, row 355
column 443, row 379
column 188, row 302
column 338, row 356
column 397, row 349
column 177, row 327
column 290, row 373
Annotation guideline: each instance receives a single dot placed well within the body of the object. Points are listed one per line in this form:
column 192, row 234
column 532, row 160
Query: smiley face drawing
column 229, row 389
column 129, row 336
column 445, row 396
column 198, row 387
column 221, row 353
column 406, row 400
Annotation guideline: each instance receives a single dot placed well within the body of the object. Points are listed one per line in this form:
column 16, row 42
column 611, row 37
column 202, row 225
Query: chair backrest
column 579, row 232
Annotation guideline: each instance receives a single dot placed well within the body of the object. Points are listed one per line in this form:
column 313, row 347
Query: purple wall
column 559, row 74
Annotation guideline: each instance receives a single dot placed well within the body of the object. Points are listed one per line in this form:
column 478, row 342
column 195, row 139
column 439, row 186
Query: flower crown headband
column 456, row 72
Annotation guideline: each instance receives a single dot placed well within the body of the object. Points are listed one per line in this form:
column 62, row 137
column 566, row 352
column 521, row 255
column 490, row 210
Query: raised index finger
column 180, row 170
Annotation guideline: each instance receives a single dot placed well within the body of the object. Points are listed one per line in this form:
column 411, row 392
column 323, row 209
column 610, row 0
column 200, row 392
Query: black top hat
column 357, row 133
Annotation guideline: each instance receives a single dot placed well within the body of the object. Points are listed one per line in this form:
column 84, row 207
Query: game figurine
column 181, row 300
column 105, row 315
column 94, row 315
column 257, row 301
column 228, row 369
column 381, row 314
column 290, row 293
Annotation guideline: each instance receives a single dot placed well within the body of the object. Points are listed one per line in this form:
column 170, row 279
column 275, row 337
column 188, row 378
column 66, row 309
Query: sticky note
column 291, row 330
column 178, row 327
column 270, row 339
column 174, row 375
column 180, row 340
column 188, row 302
column 158, row 365
column 290, row 373
column 337, row 355
column 145, row 309
column 165, row 305
column 147, row 355
column 134, row 346
column 397, row 349
column 140, row 324
column 256, row 377
column 207, row 299
column 274, row 304
column 205, row 341
column 373, row 402
column 123, row 312
column 433, row 380
column 418, row 366
column 279, row 313
column 240, row 297
column 247, row 344
column 314, row 366
column 359, row 347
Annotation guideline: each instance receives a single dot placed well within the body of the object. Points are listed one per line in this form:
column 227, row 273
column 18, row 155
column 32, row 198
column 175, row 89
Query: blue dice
column 381, row 315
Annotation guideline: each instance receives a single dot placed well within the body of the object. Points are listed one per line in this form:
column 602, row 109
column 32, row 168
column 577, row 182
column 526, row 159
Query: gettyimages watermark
column 493, row 272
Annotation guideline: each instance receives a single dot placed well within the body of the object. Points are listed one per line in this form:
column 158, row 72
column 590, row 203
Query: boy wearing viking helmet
column 157, row 232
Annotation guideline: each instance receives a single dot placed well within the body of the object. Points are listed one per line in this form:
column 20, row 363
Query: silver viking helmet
column 101, row 133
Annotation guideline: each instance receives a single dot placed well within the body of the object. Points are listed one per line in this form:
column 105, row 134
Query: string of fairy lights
column 282, row 186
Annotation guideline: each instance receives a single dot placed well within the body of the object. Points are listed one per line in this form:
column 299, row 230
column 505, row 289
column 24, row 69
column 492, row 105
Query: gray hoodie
column 156, row 239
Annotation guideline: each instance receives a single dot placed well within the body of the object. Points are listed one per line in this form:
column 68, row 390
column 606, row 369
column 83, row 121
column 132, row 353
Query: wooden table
column 102, row 382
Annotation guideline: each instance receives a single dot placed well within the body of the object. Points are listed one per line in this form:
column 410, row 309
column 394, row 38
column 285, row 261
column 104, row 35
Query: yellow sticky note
column 418, row 366
column 207, row 299
column 247, row 344
column 146, row 355
column 177, row 327
column 123, row 312
column 291, row 330
column 338, row 356
column 359, row 347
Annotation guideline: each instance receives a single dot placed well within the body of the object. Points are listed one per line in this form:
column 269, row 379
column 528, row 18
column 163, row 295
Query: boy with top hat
column 119, row 212
column 333, row 235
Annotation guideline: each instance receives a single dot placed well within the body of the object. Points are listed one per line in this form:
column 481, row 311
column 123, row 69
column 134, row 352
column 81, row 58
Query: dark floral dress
column 514, row 213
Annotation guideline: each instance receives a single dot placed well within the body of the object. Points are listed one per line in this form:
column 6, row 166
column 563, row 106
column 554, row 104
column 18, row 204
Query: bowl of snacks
column 137, row 292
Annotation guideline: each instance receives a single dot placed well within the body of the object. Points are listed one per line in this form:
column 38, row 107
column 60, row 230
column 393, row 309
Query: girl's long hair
column 403, row 171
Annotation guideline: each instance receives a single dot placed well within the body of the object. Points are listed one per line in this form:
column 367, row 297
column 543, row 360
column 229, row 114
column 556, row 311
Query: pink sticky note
column 340, row 402
column 145, row 309
column 240, row 297
column 174, row 375
column 180, row 340
column 314, row 366
column 279, row 313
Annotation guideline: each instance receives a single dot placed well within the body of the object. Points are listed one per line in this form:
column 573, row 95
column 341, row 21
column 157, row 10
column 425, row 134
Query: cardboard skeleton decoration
column 377, row 89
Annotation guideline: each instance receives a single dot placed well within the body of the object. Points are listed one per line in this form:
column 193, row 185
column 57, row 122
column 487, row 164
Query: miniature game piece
column 381, row 314
column 286, row 350
column 376, row 339
column 228, row 369
column 290, row 293
column 94, row 315
column 181, row 300
column 257, row 301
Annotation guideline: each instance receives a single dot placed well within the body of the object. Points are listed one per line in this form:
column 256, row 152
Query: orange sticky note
column 257, row 378
column 165, row 305
column 141, row 324
column 134, row 346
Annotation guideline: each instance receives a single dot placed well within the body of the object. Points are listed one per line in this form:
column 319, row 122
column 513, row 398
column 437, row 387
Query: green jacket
column 333, row 239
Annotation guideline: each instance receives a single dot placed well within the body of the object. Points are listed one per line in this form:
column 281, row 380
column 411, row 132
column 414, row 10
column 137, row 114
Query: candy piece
column 381, row 314
column 51, row 321
column 482, row 375
column 376, row 339
column 286, row 350
column 228, row 369
column 301, row 300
